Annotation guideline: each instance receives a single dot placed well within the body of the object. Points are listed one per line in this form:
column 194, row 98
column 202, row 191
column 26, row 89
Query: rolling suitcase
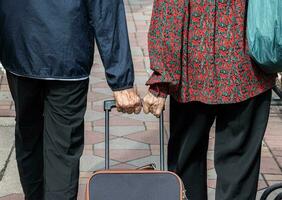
column 140, row 184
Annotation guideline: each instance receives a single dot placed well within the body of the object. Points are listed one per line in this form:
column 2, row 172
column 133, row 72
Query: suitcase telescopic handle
column 108, row 106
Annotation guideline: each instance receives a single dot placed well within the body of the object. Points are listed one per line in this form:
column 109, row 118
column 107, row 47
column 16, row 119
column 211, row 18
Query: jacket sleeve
column 159, row 90
column 108, row 20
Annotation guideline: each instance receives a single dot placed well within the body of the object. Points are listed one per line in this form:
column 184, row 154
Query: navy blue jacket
column 54, row 39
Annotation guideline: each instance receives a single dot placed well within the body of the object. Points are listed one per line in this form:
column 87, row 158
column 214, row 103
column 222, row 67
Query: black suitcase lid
column 135, row 185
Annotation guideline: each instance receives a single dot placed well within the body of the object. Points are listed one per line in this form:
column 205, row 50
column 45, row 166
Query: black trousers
column 240, row 128
column 49, row 135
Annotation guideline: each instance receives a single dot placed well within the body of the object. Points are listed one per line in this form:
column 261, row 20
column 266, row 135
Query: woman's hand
column 128, row 101
column 154, row 105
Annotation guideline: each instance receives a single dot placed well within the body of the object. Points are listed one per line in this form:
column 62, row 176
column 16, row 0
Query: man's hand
column 154, row 105
column 128, row 101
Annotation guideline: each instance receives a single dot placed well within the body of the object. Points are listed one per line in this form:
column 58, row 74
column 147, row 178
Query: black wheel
column 279, row 197
column 271, row 189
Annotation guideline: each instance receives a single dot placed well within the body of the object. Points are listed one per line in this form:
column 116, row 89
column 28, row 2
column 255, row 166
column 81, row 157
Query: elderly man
column 47, row 49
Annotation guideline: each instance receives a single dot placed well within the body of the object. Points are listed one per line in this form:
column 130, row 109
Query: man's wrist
column 122, row 88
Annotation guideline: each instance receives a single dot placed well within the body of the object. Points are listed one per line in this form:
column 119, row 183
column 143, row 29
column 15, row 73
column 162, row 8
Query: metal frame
column 108, row 106
column 271, row 189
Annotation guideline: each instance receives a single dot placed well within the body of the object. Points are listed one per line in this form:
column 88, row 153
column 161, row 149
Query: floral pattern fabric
column 198, row 52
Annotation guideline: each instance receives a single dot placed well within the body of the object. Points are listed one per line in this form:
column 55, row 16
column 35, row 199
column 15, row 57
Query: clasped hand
column 129, row 101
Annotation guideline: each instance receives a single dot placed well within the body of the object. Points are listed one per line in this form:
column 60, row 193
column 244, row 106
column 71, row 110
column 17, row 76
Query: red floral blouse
column 198, row 52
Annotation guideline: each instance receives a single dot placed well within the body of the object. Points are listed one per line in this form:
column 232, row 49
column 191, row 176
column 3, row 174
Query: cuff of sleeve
column 159, row 90
column 122, row 88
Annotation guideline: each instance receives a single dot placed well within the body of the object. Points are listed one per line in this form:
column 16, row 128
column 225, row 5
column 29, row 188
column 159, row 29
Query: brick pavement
column 134, row 139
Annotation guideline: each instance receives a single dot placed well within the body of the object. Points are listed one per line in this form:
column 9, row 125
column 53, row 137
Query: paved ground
column 134, row 139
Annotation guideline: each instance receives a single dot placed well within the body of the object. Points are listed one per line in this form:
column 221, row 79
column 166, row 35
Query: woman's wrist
column 159, row 90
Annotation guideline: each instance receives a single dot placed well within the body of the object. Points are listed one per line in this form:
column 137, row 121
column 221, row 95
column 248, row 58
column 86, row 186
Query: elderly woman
column 198, row 52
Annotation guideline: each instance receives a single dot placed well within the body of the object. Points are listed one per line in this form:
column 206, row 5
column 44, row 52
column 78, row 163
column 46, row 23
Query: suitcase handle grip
column 108, row 106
